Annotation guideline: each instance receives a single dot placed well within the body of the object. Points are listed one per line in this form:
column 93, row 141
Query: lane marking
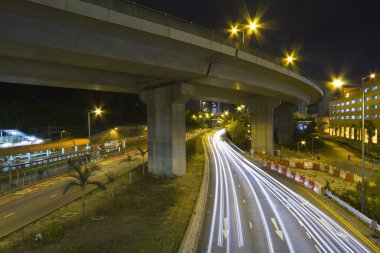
column 6, row 216
column 225, row 230
column 307, row 233
column 316, row 246
column 250, row 224
column 278, row 231
column 52, row 196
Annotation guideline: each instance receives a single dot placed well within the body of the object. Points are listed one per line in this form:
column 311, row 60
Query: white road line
column 6, row 216
column 244, row 201
column 318, row 248
column 307, row 233
column 52, row 196
column 250, row 224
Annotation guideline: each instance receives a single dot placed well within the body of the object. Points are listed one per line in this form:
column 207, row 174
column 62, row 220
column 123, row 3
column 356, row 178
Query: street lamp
column 371, row 76
column 298, row 144
column 97, row 112
column 63, row 131
column 250, row 28
column 312, row 144
column 339, row 83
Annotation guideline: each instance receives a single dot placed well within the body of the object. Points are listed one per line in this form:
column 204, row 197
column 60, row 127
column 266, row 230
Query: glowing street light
column 63, row 131
column 337, row 82
column 253, row 26
column 298, row 144
column 234, row 30
column 249, row 28
column 372, row 75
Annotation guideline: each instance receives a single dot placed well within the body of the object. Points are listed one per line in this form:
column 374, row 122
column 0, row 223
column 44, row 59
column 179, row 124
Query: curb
column 190, row 240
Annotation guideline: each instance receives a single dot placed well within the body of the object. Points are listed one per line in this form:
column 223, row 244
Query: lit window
column 366, row 98
column 374, row 116
column 352, row 117
column 374, row 87
column 366, row 89
column 347, row 110
column 367, row 116
column 347, row 117
column 359, row 116
column 347, row 103
column 338, row 111
column 367, row 107
column 374, row 106
column 352, row 109
column 359, row 108
column 353, row 102
column 359, row 100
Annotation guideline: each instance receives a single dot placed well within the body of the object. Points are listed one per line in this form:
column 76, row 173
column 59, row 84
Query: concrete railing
column 190, row 240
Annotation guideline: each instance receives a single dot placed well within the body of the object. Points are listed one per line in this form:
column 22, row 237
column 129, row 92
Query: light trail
column 318, row 231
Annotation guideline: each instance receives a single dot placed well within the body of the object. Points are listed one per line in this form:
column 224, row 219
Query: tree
column 111, row 177
column 129, row 160
column 143, row 152
column 81, row 179
column 370, row 127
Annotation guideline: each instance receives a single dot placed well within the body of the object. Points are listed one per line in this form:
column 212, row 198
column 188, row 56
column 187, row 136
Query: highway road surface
column 247, row 210
column 22, row 207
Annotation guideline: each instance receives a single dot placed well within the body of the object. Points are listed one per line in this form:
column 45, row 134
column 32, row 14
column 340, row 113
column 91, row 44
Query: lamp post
column 63, row 131
column 339, row 83
column 312, row 144
column 371, row 76
column 251, row 27
column 97, row 112
column 298, row 144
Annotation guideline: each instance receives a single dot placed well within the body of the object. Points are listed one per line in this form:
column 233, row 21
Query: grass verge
column 151, row 215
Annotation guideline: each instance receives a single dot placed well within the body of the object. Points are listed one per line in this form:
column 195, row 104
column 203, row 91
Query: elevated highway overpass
column 115, row 45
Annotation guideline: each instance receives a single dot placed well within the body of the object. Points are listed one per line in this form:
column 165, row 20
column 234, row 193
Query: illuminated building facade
column 345, row 112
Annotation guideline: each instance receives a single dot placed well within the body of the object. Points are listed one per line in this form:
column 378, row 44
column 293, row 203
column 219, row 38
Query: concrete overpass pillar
column 166, row 130
column 262, row 112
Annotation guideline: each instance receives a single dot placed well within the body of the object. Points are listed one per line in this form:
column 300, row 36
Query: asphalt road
column 249, row 211
column 22, row 207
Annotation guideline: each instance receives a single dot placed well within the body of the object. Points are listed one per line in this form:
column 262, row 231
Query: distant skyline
column 339, row 37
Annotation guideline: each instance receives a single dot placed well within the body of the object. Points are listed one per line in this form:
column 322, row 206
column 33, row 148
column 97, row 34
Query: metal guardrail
column 352, row 210
column 143, row 12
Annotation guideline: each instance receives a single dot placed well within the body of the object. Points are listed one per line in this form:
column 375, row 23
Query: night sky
column 332, row 37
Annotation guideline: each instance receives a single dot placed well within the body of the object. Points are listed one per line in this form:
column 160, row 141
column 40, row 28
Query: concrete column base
column 166, row 131
column 262, row 123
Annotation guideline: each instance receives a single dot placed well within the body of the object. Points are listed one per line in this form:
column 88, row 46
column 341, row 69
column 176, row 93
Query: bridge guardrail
column 352, row 210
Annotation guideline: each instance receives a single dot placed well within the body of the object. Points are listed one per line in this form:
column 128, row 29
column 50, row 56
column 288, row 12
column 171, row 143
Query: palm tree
column 143, row 152
column 129, row 160
column 81, row 179
column 111, row 177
